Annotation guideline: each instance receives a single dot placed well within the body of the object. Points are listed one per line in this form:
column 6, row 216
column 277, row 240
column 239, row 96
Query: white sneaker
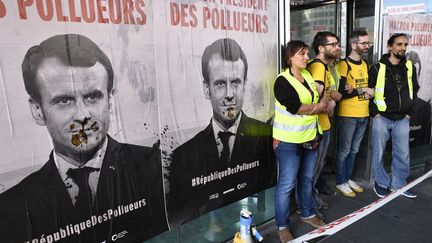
column 345, row 190
column 354, row 186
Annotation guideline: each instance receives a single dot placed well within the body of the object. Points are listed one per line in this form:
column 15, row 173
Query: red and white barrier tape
column 337, row 225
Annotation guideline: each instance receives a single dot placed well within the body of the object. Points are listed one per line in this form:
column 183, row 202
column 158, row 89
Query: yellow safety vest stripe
column 379, row 98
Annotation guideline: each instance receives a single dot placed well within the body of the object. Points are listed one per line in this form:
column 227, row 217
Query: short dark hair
column 393, row 37
column 355, row 35
column 71, row 49
column 289, row 50
column 320, row 39
column 228, row 49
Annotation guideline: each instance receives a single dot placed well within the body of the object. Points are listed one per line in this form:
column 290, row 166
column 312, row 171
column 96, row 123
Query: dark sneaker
column 409, row 194
column 324, row 205
column 380, row 192
column 285, row 235
column 326, row 191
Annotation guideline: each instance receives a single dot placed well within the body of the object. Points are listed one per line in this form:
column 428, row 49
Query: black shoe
column 324, row 205
column 408, row 194
column 380, row 191
column 326, row 191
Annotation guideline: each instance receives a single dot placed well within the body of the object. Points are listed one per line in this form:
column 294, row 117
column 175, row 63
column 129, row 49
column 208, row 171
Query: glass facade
column 306, row 23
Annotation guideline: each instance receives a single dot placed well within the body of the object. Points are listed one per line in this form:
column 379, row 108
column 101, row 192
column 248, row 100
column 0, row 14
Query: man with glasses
column 394, row 79
column 327, row 48
column 353, row 111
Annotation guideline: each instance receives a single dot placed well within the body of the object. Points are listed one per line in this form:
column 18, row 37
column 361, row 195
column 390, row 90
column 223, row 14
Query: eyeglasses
column 365, row 43
column 333, row 44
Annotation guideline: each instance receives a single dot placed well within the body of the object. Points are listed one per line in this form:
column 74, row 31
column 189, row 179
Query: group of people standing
column 309, row 92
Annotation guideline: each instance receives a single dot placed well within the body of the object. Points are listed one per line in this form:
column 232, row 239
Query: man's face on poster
column 225, row 89
column 74, row 105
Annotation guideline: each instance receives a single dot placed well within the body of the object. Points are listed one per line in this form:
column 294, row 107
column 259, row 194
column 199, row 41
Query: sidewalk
column 400, row 220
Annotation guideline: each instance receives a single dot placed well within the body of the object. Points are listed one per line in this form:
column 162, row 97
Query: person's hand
column 330, row 107
column 349, row 88
column 369, row 93
column 336, row 96
column 320, row 88
column 318, row 108
column 323, row 107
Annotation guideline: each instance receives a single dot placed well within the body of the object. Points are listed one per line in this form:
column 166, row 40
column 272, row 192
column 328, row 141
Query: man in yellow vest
column 320, row 184
column 353, row 111
column 395, row 81
column 327, row 48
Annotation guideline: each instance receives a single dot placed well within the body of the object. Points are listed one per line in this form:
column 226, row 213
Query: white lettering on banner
column 230, row 171
column 119, row 235
column 228, row 191
column 70, row 229
column 413, row 8
column 214, row 196
column 349, row 219
column 241, row 185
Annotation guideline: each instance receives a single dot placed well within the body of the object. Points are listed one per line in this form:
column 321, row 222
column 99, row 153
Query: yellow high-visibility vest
column 379, row 98
column 293, row 128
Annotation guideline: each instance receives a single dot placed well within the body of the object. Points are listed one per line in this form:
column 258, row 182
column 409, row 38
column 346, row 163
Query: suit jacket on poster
column 200, row 182
column 128, row 206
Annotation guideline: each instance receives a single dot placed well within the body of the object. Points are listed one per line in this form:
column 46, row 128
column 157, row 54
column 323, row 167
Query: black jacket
column 397, row 99
column 198, row 158
column 40, row 207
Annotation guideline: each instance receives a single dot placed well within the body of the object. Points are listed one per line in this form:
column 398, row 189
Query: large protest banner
column 78, row 87
column 419, row 29
column 216, row 61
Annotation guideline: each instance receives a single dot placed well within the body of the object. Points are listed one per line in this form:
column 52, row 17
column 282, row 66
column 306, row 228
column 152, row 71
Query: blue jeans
column 382, row 129
column 319, row 165
column 296, row 166
column 351, row 131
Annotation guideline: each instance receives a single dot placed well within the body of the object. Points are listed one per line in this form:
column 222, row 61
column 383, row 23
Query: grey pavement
column 400, row 220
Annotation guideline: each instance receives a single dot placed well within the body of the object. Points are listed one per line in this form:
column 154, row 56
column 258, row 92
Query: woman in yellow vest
column 295, row 136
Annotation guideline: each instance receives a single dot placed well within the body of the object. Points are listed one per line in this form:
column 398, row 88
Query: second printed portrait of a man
column 231, row 157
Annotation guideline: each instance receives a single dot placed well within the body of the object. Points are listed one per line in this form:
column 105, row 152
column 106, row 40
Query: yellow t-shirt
column 357, row 76
column 320, row 72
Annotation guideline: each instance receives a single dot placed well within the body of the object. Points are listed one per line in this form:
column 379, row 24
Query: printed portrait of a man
column 92, row 187
column 232, row 157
